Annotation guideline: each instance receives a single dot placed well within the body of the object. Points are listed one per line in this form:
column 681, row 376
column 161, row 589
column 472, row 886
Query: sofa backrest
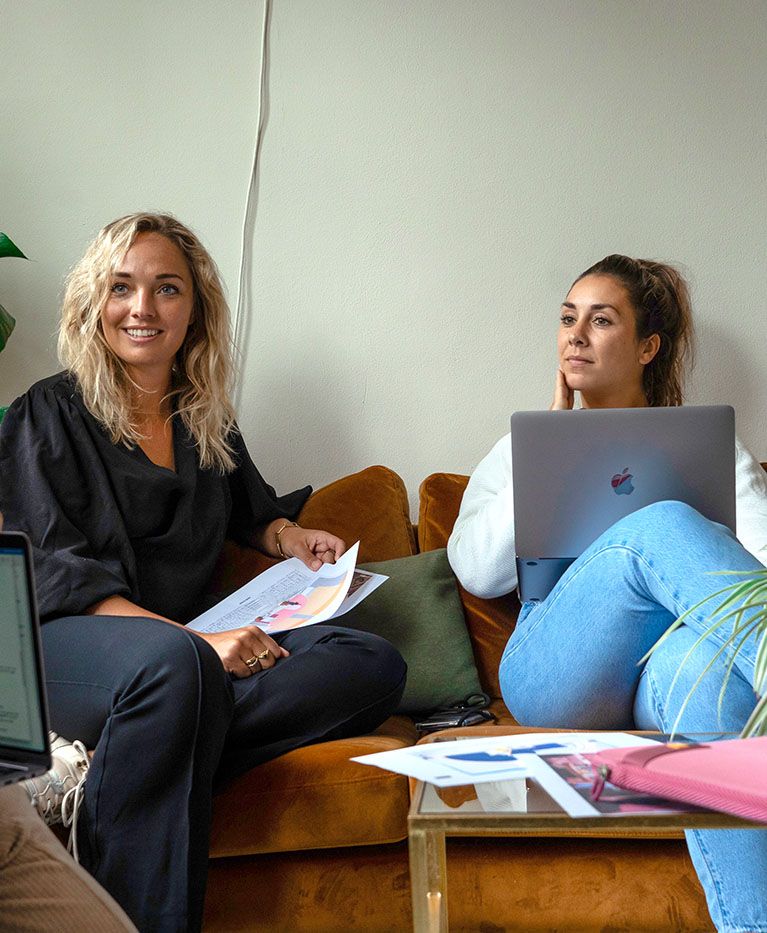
column 371, row 506
column 490, row 621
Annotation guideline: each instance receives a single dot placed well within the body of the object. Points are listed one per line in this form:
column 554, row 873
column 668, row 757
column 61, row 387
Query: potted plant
column 7, row 323
column 744, row 603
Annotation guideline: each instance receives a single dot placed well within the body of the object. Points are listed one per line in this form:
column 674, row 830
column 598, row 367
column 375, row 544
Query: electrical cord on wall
column 239, row 331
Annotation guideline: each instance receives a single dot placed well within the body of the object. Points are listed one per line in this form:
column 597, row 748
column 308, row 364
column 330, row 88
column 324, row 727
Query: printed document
column 494, row 758
column 498, row 767
column 289, row 595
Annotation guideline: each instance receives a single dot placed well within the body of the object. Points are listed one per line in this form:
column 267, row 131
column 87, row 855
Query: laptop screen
column 21, row 714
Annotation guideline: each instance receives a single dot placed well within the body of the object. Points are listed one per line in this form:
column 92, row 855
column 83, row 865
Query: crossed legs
column 573, row 662
column 166, row 722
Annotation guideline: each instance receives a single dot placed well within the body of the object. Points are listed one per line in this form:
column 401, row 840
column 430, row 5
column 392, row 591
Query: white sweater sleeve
column 750, row 503
column 481, row 547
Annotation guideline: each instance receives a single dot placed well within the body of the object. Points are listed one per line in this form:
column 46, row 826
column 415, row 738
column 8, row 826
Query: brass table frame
column 427, row 832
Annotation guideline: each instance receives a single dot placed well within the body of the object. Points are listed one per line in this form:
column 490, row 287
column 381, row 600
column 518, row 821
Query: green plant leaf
column 757, row 721
column 744, row 604
column 7, row 323
column 9, row 248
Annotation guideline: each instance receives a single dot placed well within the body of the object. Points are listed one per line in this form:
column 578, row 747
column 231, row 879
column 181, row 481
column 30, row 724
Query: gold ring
column 251, row 662
column 264, row 654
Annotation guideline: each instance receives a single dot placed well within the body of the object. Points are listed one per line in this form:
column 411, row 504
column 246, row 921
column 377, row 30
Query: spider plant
column 744, row 604
column 7, row 323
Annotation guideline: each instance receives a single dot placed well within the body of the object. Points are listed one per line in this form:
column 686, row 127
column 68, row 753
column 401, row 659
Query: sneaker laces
column 57, row 795
column 70, row 810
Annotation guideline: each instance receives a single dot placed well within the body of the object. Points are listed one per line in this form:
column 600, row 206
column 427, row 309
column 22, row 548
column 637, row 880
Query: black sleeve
column 254, row 501
column 53, row 486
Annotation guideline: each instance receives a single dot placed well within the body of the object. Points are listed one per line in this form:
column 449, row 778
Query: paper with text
column 494, row 758
column 289, row 595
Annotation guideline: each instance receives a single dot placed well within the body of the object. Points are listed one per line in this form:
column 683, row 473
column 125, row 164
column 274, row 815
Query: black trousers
column 167, row 723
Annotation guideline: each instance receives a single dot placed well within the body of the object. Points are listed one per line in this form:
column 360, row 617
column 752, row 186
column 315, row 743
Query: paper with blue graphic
column 289, row 595
column 495, row 758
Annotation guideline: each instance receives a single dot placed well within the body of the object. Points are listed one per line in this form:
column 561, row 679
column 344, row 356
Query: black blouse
column 106, row 521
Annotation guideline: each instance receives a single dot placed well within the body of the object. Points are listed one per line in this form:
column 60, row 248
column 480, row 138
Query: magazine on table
column 554, row 760
column 289, row 595
column 572, row 789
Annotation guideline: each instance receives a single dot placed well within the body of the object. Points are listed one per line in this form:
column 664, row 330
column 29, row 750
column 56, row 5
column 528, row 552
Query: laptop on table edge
column 575, row 473
column 24, row 742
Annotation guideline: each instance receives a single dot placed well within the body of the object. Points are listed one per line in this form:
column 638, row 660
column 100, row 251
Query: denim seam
column 715, row 880
column 658, row 716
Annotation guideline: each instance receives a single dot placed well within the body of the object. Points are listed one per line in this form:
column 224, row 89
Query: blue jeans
column 572, row 662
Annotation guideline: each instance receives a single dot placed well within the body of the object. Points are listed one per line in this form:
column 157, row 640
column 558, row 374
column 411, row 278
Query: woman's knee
column 683, row 681
column 111, row 670
column 371, row 656
column 185, row 674
column 565, row 697
column 668, row 515
column 174, row 656
column 138, row 656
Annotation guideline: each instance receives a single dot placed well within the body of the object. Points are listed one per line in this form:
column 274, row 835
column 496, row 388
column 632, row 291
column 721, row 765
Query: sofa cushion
column 419, row 611
column 440, row 502
column 371, row 505
column 315, row 798
column 490, row 622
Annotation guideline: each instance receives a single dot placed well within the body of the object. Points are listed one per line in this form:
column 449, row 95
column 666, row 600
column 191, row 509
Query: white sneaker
column 57, row 794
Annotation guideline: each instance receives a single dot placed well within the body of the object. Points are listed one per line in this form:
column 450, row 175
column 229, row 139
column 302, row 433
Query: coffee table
column 510, row 808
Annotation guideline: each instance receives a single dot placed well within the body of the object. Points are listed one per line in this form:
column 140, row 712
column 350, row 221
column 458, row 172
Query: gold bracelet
column 279, row 531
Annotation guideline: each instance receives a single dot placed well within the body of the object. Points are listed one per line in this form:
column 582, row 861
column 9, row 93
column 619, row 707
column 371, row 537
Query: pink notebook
column 729, row 775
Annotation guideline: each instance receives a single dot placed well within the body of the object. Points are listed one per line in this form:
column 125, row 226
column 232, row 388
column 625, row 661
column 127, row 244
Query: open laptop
column 575, row 473
column 24, row 745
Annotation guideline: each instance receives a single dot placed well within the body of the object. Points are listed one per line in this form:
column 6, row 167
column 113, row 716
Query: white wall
column 434, row 174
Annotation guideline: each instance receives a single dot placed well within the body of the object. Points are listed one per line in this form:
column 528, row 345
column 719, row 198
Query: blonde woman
column 127, row 472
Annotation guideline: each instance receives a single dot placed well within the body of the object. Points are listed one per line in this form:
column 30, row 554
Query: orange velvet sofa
column 313, row 841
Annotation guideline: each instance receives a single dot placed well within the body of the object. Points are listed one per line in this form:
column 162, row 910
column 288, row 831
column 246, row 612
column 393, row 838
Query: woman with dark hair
column 572, row 661
column 127, row 471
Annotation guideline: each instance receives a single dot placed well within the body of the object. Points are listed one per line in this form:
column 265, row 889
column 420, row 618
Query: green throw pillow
column 419, row 611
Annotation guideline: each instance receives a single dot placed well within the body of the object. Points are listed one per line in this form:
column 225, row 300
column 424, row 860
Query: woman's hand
column 564, row 397
column 240, row 645
column 235, row 647
column 313, row 547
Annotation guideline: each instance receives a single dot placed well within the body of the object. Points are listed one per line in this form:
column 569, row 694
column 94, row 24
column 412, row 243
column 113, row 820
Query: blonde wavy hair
column 203, row 372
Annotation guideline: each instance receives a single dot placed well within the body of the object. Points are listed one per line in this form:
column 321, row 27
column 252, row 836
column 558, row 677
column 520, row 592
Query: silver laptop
column 24, row 747
column 576, row 473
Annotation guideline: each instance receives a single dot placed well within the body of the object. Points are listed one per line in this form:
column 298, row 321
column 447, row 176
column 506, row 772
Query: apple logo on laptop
column 622, row 484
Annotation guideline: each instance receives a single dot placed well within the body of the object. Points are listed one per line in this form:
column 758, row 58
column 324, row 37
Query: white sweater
column 481, row 547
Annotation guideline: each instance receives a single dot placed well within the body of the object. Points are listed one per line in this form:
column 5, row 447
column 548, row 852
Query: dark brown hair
column 661, row 302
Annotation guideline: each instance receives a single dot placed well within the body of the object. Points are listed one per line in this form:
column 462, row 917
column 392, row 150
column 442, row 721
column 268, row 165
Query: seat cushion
column 315, row 798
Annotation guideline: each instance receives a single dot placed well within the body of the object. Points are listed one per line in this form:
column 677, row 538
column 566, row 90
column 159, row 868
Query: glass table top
column 522, row 805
